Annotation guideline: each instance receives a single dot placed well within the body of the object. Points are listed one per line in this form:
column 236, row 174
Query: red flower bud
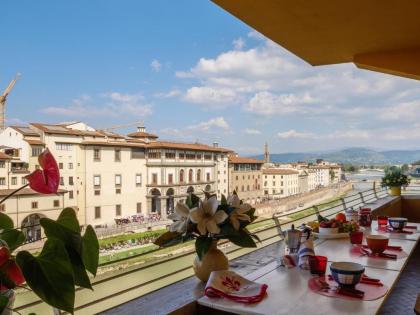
column 45, row 181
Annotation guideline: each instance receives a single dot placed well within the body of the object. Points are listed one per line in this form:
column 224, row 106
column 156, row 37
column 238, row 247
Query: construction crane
column 136, row 123
column 3, row 99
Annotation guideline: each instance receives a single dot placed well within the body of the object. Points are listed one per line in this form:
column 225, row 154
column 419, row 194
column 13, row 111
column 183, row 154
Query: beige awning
column 379, row 35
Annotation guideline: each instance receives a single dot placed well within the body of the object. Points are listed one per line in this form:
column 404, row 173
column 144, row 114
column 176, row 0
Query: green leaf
column 202, row 245
column 165, row 238
column 90, row 250
column 68, row 218
column 53, row 229
column 13, row 238
column 4, row 300
column 228, row 230
column 81, row 277
column 188, row 202
column 243, row 239
column 223, row 201
column 195, row 200
column 6, row 222
column 50, row 275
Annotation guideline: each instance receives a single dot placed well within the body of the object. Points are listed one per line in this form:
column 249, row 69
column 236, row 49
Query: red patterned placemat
column 372, row 292
column 406, row 230
column 356, row 251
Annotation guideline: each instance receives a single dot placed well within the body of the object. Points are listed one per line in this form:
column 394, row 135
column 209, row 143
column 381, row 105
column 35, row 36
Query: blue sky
column 192, row 72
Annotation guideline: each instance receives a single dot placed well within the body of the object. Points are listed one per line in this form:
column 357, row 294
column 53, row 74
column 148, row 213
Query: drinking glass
column 318, row 265
column 356, row 237
column 382, row 220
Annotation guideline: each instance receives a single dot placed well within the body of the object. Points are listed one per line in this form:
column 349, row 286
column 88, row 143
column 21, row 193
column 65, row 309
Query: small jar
column 365, row 217
column 352, row 215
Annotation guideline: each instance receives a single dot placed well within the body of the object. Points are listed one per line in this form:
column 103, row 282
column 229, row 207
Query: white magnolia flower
column 239, row 212
column 207, row 217
column 180, row 218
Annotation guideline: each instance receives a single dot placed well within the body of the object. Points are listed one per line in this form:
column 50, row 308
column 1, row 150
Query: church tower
column 266, row 154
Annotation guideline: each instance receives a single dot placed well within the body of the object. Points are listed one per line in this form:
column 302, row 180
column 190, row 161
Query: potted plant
column 208, row 221
column 65, row 259
column 394, row 179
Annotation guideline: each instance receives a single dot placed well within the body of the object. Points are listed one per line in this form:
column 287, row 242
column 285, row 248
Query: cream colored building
column 245, row 177
column 322, row 175
column 280, row 183
column 109, row 176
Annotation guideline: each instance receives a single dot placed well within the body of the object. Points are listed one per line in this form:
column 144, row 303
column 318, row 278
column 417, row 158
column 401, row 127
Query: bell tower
column 266, row 154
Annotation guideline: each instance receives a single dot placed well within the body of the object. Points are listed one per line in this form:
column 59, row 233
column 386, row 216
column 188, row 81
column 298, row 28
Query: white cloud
column 266, row 103
column 112, row 104
column 405, row 111
column 250, row 131
column 155, row 65
column 169, row 94
column 214, row 125
column 294, row 134
column 238, row 43
column 211, row 97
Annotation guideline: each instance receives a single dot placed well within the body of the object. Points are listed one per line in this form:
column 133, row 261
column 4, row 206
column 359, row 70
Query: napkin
column 306, row 249
column 230, row 285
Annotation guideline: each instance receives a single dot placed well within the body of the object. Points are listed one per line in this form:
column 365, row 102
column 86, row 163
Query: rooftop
column 27, row 191
column 279, row 171
column 243, row 160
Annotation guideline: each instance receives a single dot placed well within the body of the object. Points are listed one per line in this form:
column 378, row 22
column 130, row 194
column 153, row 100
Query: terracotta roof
column 25, row 130
column 242, row 160
column 62, row 130
column 279, row 171
column 27, row 191
column 4, row 156
column 186, row 146
column 114, row 144
column 140, row 134
column 34, row 142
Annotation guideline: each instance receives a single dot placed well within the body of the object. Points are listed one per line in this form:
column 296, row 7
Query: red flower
column 10, row 273
column 45, row 181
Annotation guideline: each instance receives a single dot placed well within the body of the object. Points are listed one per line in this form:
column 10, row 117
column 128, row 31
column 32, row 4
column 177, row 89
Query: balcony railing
column 140, row 274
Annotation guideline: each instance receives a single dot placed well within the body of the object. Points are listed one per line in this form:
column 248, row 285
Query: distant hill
column 351, row 155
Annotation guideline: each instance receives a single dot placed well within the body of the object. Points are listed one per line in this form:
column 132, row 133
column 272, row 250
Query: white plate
column 331, row 236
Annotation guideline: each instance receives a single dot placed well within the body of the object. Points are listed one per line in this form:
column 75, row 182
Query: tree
column 404, row 168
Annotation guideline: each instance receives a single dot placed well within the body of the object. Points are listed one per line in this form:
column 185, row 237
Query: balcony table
column 288, row 291
column 414, row 237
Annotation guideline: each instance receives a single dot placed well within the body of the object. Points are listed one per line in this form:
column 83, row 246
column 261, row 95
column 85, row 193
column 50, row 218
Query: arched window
column 190, row 176
column 247, row 187
column 181, row 176
column 198, row 175
column 242, row 188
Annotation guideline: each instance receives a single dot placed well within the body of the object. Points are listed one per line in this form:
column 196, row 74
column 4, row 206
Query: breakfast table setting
column 349, row 269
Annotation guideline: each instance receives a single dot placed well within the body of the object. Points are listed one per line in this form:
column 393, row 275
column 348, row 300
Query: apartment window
column 56, row 203
column 97, row 192
column 97, row 180
column 247, row 187
column 207, row 157
column 198, row 175
column 138, row 179
column 24, row 181
column 198, row 156
column 70, row 194
column 236, row 188
column 118, row 180
column 2, row 208
column 170, row 179
column 71, row 180
column 265, row 192
column 154, row 179
column 190, row 176
column 97, row 212
column 208, row 177
column 61, row 181
column 170, row 155
column 137, row 153
column 2, row 164
column 274, row 183
column 265, row 183
column 154, row 154
column 34, row 205
column 181, row 176
column 60, row 166
column 117, row 210
column 117, row 155
column 96, row 154
column 138, row 207
column 181, row 155
column 64, row 146
column 36, row 151
column 118, row 191
column 190, row 156
column 237, row 177
column 242, row 188
column 2, row 180
column 70, row 166
column 14, row 180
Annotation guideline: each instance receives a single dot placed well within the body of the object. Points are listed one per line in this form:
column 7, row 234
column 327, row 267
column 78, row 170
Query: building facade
column 245, row 177
column 280, row 183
